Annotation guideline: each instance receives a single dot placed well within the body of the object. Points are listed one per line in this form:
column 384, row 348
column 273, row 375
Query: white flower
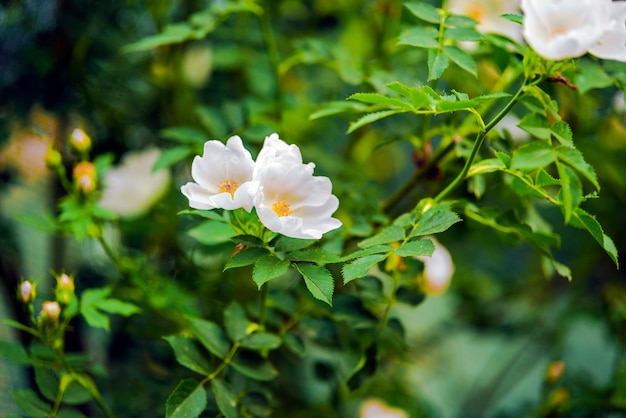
column 291, row 201
column 275, row 150
column 375, row 408
column 222, row 177
column 132, row 188
column 488, row 14
column 438, row 270
column 560, row 29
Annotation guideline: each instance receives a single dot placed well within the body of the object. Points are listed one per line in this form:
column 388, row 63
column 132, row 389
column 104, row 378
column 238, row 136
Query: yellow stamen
column 228, row 185
column 281, row 208
column 557, row 32
column 476, row 12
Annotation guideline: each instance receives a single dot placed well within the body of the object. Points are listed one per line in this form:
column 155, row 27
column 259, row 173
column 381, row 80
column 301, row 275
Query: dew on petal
column 281, row 208
column 228, row 186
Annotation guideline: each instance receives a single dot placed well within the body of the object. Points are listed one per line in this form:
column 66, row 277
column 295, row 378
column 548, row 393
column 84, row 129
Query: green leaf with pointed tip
column 187, row 354
column 424, row 11
column 486, row 166
column 14, row 352
column 314, row 255
column 571, row 190
column 212, row 232
column 563, row 133
column 574, row 158
column 262, row 341
column 292, row 244
column 544, row 179
column 584, row 220
column 435, row 220
column 535, row 124
column 391, row 233
column 174, row 33
column 375, row 249
column 209, row 214
column 225, row 398
column 360, row 267
column 371, row 118
column 318, row 280
column 245, row 258
column 254, row 366
column 30, row 404
column 211, row 336
column 534, row 155
column 376, row 98
column 188, row 400
column 437, row 63
column 462, row 34
column 267, row 268
column 416, row 248
column 420, row 37
column 461, row 58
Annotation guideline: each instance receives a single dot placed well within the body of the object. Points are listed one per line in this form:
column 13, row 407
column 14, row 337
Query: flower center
column 557, row 32
column 228, row 186
column 281, row 208
column 476, row 12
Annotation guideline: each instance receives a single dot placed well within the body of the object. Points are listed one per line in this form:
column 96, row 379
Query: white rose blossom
column 560, row 29
column 438, row 270
column 287, row 197
column 222, row 177
column 132, row 188
column 488, row 14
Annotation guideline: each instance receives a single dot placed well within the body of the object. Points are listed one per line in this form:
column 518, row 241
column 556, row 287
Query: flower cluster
column 560, row 29
column 287, row 197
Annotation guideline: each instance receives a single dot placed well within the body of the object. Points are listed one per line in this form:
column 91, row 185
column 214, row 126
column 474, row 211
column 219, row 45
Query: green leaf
column 462, row 34
column 116, row 306
column 318, row 280
column 372, row 117
column 391, row 233
column 416, row 248
column 95, row 318
column 513, row 18
column 424, row 11
column 571, row 190
column 486, row 166
column 184, row 134
column 534, row 155
column 563, row 133
column 225, row 398
column 209, row 214
column 262, row 341
column 14, row 352
column 360, row 267
column 171, row 156
column 591, row 76
column 30, row 404
column 187, row 354
column 292, row 244
column 376, row 249
column 314, row 255
column 188, row 400
column 435, row 220
column 419, row 36
column 255, row 367
column 295, row 344
column 174, row 33
column 267, row 268
column 460, row 21
column 437, row 63
column 211, row 336
column 584, row 220
column 574, row 158
column 535, row 124
column 376, row 98
column 245, row 258
column 336, row 108
column 212, row 232
column 45, row 222
column 544, row 179
column 47, row 382
column 235, row 321
column 461, row 58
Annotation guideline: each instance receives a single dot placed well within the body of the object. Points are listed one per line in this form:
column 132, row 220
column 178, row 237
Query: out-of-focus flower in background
column 557, row 30
column 438, row 270
column 222, row 177
column 132, row 188
column 375, row 408
column 197, row 64
column 488, row 14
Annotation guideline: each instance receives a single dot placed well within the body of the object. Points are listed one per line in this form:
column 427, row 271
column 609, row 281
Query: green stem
column 392, row 300
column 227, row 360
column 263, row 307
column 480, row 139
column 273, row 55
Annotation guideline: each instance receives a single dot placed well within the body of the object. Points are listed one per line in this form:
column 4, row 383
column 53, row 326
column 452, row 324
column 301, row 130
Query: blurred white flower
column 292, row 201
column 438, row 270
column 375, row 408
column 560, row 29
column 132, row 188
column 222, row 177
column 488, row 14
column 275, row 150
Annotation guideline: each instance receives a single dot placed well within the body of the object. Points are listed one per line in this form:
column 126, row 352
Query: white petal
column 199, row 198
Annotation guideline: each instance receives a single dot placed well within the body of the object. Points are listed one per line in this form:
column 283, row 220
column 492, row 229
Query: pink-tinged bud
column 85, row 176
column 80, row 141
column 50, row 311
column 53, row 159
column 555, row 371
column 27, row 291
column 65, row 289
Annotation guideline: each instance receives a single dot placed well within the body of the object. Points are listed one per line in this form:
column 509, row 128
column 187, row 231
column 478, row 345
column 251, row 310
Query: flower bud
column 438, row 270
column 53, row 158
column 85, row 176
column 554, row 371
column 27, row 291
column 80, row 141
column 50, row 311
column 64, row 289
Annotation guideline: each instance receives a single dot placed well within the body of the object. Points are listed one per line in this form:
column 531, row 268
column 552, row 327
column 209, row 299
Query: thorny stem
column 480, row 139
